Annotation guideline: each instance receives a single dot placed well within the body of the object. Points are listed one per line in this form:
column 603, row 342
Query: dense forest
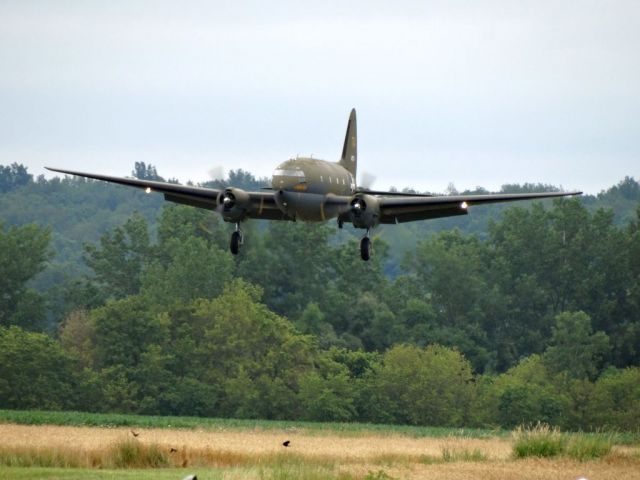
column 115, row 301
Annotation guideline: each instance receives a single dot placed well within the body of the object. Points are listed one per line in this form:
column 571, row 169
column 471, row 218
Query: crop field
column 80, row 449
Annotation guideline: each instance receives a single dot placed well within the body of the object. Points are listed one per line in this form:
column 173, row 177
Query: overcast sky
column 475, row 93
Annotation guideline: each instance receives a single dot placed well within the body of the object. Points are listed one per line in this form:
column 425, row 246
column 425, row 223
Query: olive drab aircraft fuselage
column 313, row 190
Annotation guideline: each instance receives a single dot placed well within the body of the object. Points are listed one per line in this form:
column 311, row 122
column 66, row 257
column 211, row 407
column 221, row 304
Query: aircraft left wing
column 400, row 209
column 263, row 204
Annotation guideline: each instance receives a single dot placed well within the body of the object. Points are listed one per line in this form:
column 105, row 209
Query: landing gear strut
column 236, row 240
column 365, row 247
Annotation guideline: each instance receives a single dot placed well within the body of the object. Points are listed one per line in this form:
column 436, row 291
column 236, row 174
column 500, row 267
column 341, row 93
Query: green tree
column 35, row 372
column 181, row 222
column 353, row 300
column 626, row 337
column 370, row 320
column 195, row 270
column 254, row 355
column 574, row 349
column 549, row 261
column 295, row 266
column 327, row 394
column 77, row 337
column 13, row 176
column 190, row 396
column 146, row 172
column 525, row 394
column 449, row 267
column 314, row 322
column 455, row 303
column 23, row 254
column 122, row 257
column 155, row 381
column 431, row 386
column 615, row 401
column 118, row 393
column 125, row 329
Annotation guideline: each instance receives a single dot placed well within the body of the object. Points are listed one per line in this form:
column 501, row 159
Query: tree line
column 536, row 319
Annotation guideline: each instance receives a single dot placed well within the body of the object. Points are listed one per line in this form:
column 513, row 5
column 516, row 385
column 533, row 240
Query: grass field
column 83, row 447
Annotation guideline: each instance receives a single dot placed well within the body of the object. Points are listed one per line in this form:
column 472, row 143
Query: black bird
column 135, row 434
column 286, row 443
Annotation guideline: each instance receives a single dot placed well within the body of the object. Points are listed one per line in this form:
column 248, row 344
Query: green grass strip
column 112, row 420
column 35, row 473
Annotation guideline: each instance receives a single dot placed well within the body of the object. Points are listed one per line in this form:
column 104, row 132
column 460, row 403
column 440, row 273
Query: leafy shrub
column 538, row 441
column 463, row 455
column 589, row 447
column 131, row 453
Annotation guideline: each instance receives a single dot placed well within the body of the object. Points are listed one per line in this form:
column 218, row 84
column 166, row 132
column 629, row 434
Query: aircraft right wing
column 262, row 204
column 400, row 209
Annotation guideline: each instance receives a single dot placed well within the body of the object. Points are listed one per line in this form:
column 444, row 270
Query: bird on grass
column 173, row 450
column 135, row 434
column 286, row 443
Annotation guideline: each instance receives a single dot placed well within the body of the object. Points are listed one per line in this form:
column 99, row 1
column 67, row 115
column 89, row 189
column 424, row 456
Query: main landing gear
column 236, row 240
column 365, row 247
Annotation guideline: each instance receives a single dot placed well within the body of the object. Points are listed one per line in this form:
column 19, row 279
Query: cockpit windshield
column 288, row 173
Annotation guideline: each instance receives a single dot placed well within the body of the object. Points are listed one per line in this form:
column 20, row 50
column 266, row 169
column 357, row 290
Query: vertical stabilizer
column 349, row 159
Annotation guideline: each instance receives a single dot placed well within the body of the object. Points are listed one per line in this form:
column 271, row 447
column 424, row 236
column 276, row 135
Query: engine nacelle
column 364, row 211
column 233, row 204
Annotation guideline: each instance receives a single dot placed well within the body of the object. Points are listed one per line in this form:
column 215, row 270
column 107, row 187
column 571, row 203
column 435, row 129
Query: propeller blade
column 367, row 180
column 217, row 173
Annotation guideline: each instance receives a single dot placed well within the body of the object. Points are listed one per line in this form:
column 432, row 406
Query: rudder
column 349, row 159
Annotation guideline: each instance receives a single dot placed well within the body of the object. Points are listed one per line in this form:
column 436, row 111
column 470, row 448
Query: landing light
column 147, row 190
column 464, row 205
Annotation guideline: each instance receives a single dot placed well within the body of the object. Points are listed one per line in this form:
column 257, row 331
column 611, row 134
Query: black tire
column 365, row 248
column 235, row 243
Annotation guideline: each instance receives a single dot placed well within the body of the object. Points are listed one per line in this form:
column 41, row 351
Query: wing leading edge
column 263, row 205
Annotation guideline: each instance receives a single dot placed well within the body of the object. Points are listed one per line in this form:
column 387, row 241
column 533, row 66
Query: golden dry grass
column 530, row 469
column 252, row 443
column 250, row 451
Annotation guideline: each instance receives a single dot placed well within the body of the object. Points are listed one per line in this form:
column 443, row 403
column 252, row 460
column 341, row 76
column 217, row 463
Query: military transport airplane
column 314, row 190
